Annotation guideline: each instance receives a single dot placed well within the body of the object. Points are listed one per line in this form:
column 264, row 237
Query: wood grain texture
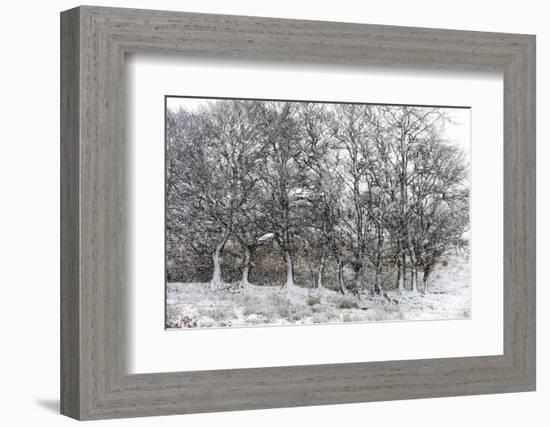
column 94, row 272
column 70, row 292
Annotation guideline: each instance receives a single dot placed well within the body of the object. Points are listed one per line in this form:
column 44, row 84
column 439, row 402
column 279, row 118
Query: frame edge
column 70, row 395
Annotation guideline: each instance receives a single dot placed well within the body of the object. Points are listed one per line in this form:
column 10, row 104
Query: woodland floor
column 197, row 305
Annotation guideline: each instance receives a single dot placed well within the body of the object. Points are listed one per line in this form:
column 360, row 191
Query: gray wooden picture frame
column 94, row 382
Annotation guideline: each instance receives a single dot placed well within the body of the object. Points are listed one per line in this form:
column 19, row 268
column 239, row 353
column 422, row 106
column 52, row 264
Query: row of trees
column 363, row 186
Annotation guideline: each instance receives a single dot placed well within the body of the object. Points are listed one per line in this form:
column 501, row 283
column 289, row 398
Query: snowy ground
column 196, row 305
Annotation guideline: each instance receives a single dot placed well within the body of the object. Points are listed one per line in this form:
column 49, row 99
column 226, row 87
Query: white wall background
column 29, row 212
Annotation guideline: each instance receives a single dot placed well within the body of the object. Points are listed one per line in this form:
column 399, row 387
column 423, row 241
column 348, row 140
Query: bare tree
column 380, row 196
column 440, row 202
column 320, row 161
column 282, row 178
column 353, row 132
column 236, row 130
column 198, row 198
column 406, row 130
column 370, row 187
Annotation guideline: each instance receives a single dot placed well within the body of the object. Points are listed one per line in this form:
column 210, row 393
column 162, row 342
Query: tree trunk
column 425, row 276
column 358, row 277
column 377, row 276
column 379, row 252
column 414, row 275
column 246, row 267
column 217, row 274
column 412, row 256
column 341, row 286
column 321, row 270
column 401, row 271
column 217, row 261
column 289, row 269
column 398, row 276
column 217, row 279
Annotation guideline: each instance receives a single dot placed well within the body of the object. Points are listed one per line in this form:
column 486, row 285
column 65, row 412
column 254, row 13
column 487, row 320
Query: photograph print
column 285, row 212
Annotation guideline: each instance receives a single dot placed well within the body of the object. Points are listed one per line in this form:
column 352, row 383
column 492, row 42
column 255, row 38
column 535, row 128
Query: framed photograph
column 321, row 209
column 262, row 213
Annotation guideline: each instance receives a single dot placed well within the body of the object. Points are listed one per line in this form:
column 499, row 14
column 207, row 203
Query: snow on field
column 197, row 305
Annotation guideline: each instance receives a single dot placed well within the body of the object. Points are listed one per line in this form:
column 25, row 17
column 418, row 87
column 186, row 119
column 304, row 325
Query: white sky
column 457, row 131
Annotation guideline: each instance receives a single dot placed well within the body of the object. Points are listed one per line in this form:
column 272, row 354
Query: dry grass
column 197, row 305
